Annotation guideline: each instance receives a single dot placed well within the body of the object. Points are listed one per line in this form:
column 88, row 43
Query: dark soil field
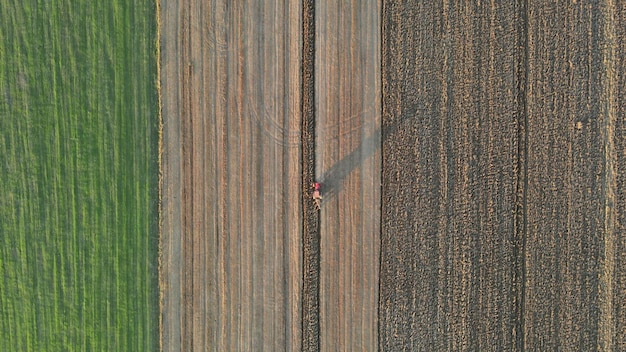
column 471, row 157
column 502, row 163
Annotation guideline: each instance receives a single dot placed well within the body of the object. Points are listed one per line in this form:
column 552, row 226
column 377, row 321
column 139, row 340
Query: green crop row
column 78, row 176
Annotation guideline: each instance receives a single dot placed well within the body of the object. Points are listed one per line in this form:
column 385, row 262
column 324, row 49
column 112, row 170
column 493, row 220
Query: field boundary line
column 160, row 169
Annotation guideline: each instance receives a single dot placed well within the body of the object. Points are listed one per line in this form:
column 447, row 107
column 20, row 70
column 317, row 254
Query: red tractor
column 317, row 197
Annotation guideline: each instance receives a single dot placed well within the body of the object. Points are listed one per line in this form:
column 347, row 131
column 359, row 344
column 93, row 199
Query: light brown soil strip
column 347, row 98
column 231, row 266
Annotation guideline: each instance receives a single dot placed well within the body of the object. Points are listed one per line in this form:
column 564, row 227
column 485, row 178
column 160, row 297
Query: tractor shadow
column 332, row 180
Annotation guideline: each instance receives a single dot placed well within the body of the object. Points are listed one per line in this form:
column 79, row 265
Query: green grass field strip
column 78, row 160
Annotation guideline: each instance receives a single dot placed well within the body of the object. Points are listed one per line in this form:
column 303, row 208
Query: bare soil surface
column 501, row 223
column 451, row 247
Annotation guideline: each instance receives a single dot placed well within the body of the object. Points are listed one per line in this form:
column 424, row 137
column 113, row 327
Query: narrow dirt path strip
column 311, row 219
